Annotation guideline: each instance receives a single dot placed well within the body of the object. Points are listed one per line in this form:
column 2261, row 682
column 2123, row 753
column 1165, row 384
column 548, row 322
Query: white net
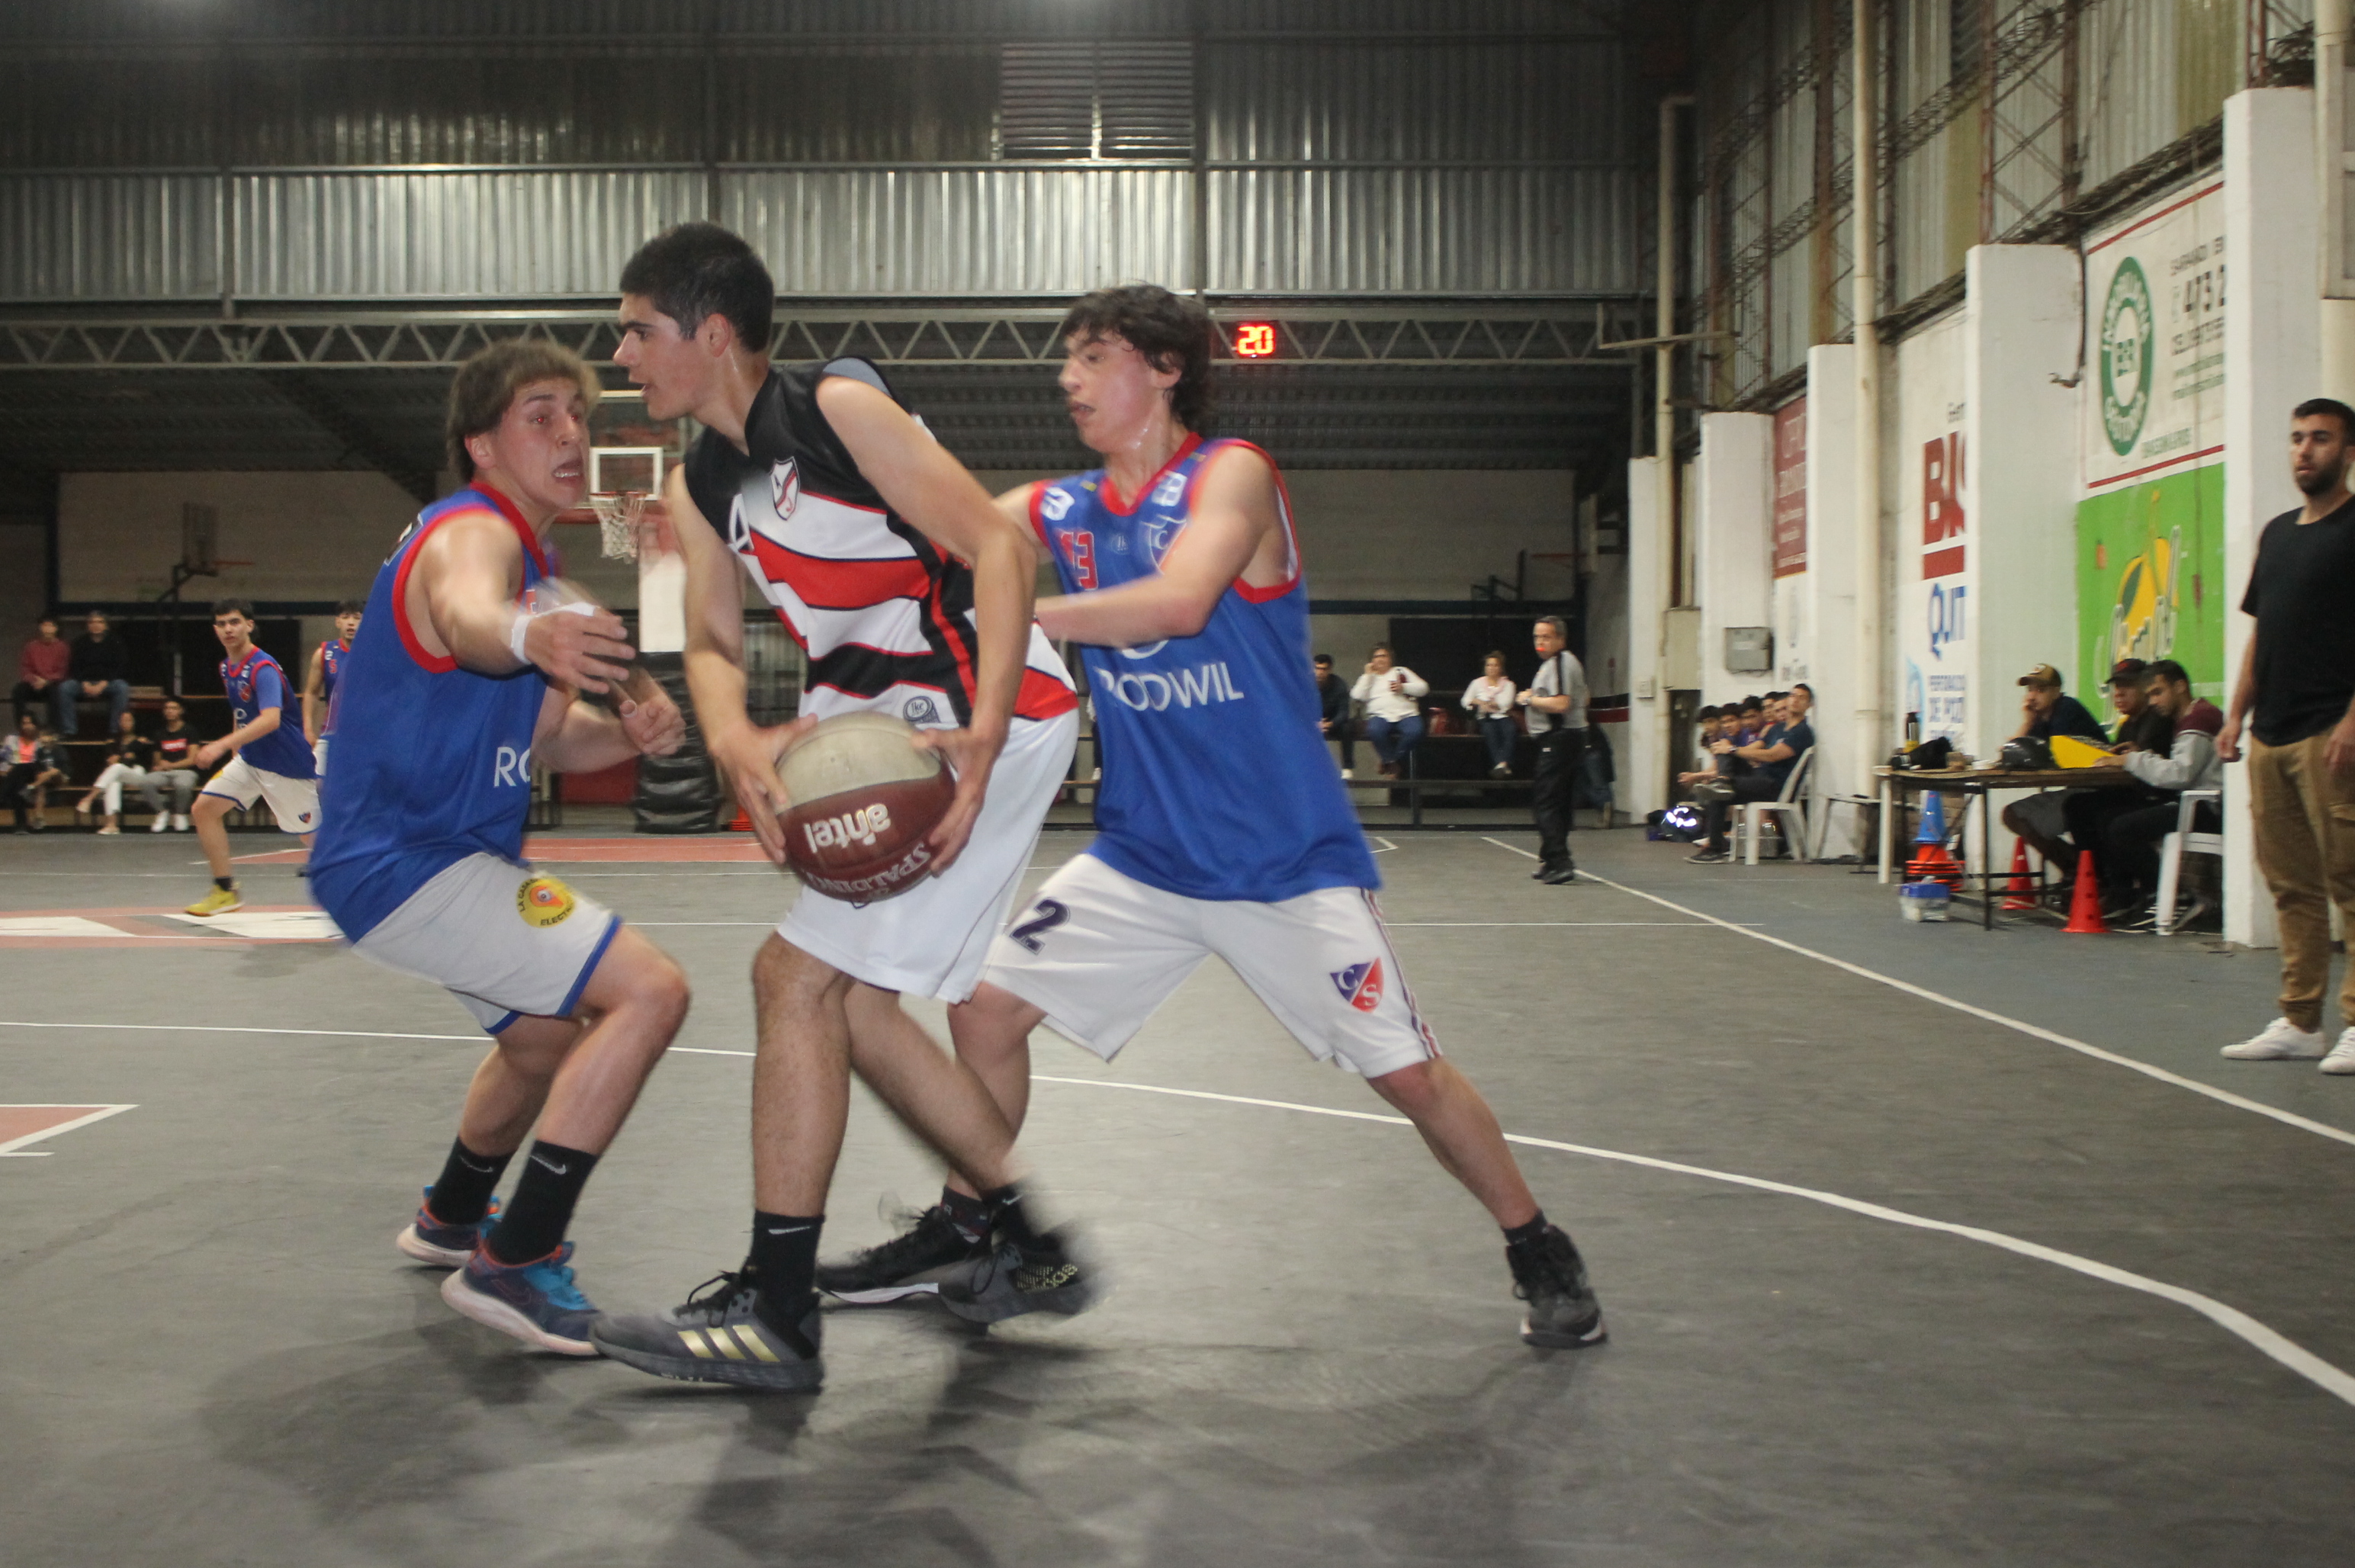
column 620, row 517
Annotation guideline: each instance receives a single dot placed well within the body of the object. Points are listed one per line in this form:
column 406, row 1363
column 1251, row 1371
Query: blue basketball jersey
column 437, row 764
column 331, row 654
column 1217, row 783
column 255, row 685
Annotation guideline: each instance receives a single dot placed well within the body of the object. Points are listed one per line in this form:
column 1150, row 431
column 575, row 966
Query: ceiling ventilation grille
column 1075, row 102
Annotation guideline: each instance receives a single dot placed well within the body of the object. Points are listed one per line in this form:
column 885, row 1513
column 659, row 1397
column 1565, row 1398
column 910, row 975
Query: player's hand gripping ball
column 865, row 797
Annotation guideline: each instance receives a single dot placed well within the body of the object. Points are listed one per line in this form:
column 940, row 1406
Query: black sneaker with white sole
column 911, row 1266
column 1551, row 1276
column 728, row 1333
column 1044, row 1275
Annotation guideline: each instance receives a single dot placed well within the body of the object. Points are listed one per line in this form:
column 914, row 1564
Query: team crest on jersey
column 543, row 901
column 1360, row 985
column 1053, row 503
column 920, row 711
column 1160, row 533
column 786, row 487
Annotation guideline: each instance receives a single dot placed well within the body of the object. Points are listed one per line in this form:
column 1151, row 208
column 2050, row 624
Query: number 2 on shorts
column 1049, row 915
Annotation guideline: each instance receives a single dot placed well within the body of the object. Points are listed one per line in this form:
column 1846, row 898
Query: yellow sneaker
column 220, row 901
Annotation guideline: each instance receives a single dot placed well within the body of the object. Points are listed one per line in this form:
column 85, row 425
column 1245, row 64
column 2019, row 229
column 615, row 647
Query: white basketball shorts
column 506, row 940
column 294, row 801
column 933, row 939
column 1098, row 952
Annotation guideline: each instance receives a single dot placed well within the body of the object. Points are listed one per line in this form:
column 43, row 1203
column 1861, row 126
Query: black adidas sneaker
column 1042, row 1275
column 1551, row 1276
column 725, row 1335
column 910, row 1265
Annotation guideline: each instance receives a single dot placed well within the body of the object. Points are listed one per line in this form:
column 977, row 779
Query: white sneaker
column 181, row 823
column 163, row 820
column 2341, row 1059
column 2285, row 1041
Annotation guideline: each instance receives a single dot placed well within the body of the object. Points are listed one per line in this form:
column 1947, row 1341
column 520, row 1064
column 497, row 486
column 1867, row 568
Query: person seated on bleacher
column 1490, row 700
column 1704, row 761
column 2041, row 820
column 99, row 665
column 2131, row 840
column 175, row 764
column 2142, row 727
column 2140, row 723
column 32, row 767
column 1771, row 758
column 41, row 669
column 1391, row 692
column 130, row 760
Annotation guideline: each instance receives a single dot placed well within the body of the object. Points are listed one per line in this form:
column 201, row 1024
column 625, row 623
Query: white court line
column 1539, row 924
column 2271, row 1342
column 2267, row 1340
column 2289, row 1118
column 12, row 1144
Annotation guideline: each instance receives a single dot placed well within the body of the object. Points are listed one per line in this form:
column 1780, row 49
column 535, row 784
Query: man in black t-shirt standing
column 2297, row 696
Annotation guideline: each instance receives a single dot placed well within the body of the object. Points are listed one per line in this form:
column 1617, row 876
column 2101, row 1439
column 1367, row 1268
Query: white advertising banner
column 1937, row 559
column 2154, row 342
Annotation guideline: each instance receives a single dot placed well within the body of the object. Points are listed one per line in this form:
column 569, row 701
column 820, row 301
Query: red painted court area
column 546, row 851
column 22, row 1124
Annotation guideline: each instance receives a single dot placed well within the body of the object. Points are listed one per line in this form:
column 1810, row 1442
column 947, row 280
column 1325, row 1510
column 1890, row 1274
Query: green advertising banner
column 2151, row 580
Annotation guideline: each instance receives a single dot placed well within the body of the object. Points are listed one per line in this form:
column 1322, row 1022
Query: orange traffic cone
column 2085, row 908
column 2021, row 891
column 1930, row 863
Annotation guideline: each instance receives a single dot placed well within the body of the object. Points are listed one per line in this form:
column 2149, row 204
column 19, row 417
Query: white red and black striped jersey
column 885, row 616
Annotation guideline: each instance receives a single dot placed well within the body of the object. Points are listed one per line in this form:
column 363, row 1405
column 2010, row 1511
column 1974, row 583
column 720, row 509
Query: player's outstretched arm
column 574, row 737
column 462, row 605
column 264, row 722
column 745, row 753
column 1235, row 533
column 919, row 479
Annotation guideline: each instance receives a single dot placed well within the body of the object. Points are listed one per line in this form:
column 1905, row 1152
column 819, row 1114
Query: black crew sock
column 1012, row 1220
column 533, row 1223
column 226, row 884
column 1520, row 1235
column 784, row 1260
column 969, row 1215
column 461, row 1195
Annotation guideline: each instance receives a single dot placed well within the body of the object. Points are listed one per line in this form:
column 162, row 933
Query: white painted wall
column 1926, row 403
column 1843, row 571
column 2271, row 365
column 1643, row 760
column 1733, row 543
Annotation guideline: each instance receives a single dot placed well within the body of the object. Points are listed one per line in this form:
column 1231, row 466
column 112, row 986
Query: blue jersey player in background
column 268, row 757
column 319, row 680
column 1223, row 828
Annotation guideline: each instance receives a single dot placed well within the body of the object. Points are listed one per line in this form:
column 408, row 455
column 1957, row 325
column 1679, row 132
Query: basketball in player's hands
column 865, row 797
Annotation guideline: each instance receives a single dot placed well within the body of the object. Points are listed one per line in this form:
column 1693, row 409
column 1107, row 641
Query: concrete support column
column 1643, row 772
column 2025, row 321
column 1843, row 574
column 2272, row 363
column 1733, row 543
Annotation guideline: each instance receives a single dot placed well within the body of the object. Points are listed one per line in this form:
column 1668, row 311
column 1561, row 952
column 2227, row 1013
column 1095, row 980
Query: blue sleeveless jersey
column 332, row 654
column 254, row 685
column 436, row 763
column 1217, row 783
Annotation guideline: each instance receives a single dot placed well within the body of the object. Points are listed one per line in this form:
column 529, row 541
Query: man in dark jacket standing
column 99, row 665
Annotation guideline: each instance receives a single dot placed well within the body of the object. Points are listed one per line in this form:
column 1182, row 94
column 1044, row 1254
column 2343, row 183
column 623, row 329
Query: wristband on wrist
column 516, row 629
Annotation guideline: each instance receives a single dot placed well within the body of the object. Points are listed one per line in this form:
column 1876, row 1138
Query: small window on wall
column 1071, row 102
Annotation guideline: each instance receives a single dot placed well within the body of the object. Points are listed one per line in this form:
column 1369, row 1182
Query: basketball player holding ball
column 1222, row 828
column 912, row 595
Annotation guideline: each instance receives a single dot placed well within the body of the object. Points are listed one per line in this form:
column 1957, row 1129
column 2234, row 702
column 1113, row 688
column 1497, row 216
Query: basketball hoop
column 620, row 518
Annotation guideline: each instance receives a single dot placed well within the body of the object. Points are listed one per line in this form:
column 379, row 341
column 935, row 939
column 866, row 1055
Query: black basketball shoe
column 1044, row 1275
column 1551, row 1276
column 726, row 1335
column 912, row 1264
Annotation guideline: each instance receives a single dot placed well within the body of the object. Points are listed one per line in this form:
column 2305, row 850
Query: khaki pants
column 2305, row 819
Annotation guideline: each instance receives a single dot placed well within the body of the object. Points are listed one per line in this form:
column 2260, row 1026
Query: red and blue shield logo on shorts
column 1360, row 985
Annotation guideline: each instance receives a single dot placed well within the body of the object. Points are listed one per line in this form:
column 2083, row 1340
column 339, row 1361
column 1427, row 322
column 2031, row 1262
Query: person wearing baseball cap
column 2141, row 723
column 2042, row 819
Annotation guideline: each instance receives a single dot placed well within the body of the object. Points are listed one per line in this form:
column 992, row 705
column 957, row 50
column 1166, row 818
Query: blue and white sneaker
column 536, row 1302
column 429, row 1240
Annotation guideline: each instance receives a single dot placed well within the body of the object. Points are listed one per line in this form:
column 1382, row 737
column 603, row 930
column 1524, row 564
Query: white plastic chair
column 2182, row 842
column 1751, row 814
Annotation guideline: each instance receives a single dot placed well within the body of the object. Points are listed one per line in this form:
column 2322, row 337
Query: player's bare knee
column 1414, row 1089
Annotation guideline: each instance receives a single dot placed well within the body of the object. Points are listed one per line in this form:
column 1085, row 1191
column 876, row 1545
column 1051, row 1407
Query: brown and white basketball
column 865, row 798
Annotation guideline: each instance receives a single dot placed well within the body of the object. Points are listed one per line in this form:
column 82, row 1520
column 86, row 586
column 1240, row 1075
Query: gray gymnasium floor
column 1890, row 1279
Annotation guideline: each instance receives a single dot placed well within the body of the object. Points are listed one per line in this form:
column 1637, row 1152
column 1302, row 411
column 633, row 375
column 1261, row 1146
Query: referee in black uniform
column 1556, row 716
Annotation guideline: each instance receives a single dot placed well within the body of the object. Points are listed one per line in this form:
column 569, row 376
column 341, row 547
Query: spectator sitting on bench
column 41, row 669
column 131, row 760
column 2088, row 812
column 2042, row 819
column 1771, row 758
column 32, row 759
column 1333, row 713
column 175, row 764
column 1489, row 699
column 99, row 665
column 1704, row 759
column 1394, row 715
column 2132, row 838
